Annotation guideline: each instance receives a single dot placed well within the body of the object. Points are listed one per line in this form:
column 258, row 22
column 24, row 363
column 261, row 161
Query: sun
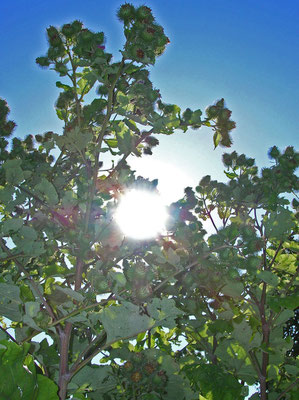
column 141, row 214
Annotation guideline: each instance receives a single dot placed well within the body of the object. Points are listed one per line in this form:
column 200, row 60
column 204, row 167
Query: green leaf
column 61, row 114
column 172, row 257
column 111, row 143
column 47, row 389
column 243, row 334
column 279, row 224
column 233, row 289
column 16, row 382
column 18, row 376
column 122, row 99
column 10, row 301
column 95, row 378
column 47, row 189
column 27, row 233
column 11, row 225
column 215, row 383
column 85, row 85
column 13, row 171
column 63, row 86
column 124, row 321
column 164, row 312
column 126, row 139
column 216, row 139
column 6, row 194
column 283, row 317
column 231, row 175
column 32, row 308
column 71, row 293
column 268, row 277
column 73, row 140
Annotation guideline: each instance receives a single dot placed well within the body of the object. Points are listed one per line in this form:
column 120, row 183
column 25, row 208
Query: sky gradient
column 245, row 51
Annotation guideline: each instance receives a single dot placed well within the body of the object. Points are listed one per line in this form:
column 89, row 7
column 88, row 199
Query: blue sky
column 245, row 51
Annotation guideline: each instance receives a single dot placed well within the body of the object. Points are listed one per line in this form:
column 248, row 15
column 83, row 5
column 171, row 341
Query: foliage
column 187, row 315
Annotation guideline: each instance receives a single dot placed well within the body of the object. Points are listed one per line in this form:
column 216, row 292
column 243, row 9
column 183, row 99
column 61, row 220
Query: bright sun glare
column 141, row 214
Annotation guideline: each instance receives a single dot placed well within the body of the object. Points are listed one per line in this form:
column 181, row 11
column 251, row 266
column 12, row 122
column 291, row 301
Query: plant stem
column 266, row 337
column 64, row 375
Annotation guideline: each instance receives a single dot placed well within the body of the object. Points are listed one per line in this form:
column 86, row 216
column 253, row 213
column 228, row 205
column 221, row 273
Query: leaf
column 63, row 86
column 268, row 277
column 96, row 378
column 18, row 375
column 71, row 293
column 172, row 257
column 215, row 383
column 230, row 175
column 32, row 308
column 28, row 233
column 13, row 171
column 233, row 289
column 6, row 194
column 164, row 312
column 10, row 302
column 279, row 224
column 216, row 139
column 16, row 382
column 26, row 242
column 122, row 99
column 124, row 321
column 126, row 139
column 47, row 389
column 61, row 114
column 11, row 225
column 243, row 333
column 73, row 140
column 47, row 189
column 283, row 317
column 111, row 143
column 86, row 83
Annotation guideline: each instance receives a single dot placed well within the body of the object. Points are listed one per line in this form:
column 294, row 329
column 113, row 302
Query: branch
column 276, row 253
column 210, row 216
column 287, row 389
column 74, row 81
column 9, row 335
column 79, row 365
column 174, row 275
column 255, row 363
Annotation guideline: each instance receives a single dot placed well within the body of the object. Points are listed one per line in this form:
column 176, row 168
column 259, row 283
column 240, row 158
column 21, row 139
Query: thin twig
column 287, row 389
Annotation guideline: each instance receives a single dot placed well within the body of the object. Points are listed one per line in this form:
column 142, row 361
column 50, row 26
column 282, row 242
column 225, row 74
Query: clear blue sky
column 245, row 51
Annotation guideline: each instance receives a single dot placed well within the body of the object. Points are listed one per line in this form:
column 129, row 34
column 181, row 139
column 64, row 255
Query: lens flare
column 141, row 214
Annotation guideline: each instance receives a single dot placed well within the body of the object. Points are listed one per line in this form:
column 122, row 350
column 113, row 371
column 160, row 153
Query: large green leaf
column 48, row 190
column 10, row 301
column 73, row 140
column 164, row 312
column 11, row 225
column 279, row 224
column 13, row 171
column 214, row 383
column 47, row 389
column 95, row 378
column 124, row 321
column 18, row 376
column 126, row 139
